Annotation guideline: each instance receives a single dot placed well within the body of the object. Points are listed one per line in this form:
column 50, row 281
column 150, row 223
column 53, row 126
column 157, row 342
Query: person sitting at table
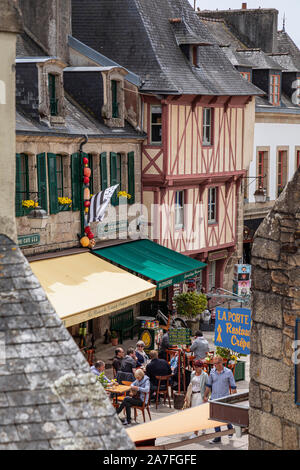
column 157, row 367
column 141, row 356
column 139, row 388
column 129, row 362
column 200, row 346
column 117, row 360
column 98, row 368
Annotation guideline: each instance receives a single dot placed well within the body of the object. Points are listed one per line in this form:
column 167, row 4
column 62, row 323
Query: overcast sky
column 291, row 9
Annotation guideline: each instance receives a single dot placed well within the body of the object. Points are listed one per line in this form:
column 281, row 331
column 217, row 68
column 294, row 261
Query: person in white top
column 195, row 392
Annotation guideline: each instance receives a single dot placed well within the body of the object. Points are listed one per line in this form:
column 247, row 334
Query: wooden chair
column 164, row 392
column 142, row 408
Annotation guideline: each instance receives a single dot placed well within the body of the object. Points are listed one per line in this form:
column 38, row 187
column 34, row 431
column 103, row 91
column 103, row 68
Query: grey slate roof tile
column 8, row 434
column 139, row 36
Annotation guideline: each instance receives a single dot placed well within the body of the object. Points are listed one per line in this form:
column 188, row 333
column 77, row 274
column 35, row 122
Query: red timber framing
column 181, row 162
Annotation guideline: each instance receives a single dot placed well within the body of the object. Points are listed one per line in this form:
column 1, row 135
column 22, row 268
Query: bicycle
column 171, row 321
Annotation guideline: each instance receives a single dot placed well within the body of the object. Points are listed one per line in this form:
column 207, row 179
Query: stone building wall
column 62, row 228
column 274, row 416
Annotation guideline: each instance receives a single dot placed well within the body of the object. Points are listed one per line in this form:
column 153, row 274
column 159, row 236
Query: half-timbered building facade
column 198, row 113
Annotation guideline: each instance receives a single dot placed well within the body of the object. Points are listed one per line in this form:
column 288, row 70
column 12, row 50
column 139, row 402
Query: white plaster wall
column 274, row 135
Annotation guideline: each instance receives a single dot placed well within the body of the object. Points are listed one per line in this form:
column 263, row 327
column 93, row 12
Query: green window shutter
column 42, row 180
column 76, row 181
column 113, row 177
column 91, row 166
column 52, row 182
column 131, row 187
column 103, row 170
column 114, row 98
column 19, row 195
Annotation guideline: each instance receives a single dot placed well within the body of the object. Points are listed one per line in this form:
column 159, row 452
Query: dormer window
column 246, row 75
column 275, row 89
column 113, row 109
column 51, row 91
column 114, row 99
column 52, row 94
column 195, row 56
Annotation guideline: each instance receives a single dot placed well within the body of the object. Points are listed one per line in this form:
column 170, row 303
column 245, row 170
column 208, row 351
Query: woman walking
column 195, row 392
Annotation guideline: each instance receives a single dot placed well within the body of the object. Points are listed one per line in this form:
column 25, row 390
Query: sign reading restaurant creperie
column 232, row 329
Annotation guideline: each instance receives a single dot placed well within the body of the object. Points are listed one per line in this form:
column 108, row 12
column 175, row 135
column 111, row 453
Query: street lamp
column 260, row 194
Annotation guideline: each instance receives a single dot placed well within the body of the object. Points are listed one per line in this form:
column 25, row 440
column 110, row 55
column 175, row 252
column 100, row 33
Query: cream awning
column 81, row 287
column 189, row 420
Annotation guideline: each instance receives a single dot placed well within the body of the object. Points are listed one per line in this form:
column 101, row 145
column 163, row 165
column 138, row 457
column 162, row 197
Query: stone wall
column 274, row 416
column 62, row 228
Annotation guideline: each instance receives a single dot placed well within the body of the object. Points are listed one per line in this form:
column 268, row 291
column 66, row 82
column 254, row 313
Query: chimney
column 244, row 6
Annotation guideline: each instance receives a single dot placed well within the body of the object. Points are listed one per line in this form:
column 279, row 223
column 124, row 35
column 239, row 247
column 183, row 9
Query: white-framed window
column 212, row 204
column 207, row 126
column 156, row 124
column 179, row 209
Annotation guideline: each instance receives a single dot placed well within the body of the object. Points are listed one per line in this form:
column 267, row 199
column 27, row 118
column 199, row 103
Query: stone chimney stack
column 48, row 22
column 256, row 28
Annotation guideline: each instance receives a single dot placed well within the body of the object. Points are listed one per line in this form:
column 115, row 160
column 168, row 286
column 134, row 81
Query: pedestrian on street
column 200, row 346
column 219, row 383
column 196, row 389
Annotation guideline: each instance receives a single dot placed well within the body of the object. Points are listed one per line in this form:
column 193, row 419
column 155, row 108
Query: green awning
column 158, row 263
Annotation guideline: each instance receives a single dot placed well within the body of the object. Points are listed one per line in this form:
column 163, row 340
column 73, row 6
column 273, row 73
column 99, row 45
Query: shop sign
column 217, row 255
column 178, row 279
column 113, row 227
column 232, row 329
column 26, row 240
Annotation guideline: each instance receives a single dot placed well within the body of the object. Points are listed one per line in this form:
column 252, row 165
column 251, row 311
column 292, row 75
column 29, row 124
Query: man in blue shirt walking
column 219, row 383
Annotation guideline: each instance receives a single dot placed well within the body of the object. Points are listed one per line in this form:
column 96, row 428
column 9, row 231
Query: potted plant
column 114, row 338
column 190, row 305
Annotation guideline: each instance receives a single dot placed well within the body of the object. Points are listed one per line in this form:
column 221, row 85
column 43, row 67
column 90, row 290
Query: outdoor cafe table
column 118, row 390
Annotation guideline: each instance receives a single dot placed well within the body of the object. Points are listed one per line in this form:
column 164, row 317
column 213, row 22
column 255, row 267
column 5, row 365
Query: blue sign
column 232, row 329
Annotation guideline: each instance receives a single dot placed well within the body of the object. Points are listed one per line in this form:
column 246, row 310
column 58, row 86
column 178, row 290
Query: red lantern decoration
column 86, row 180
column 87, row 172
column 85, row 161
column 87, row 203
column 90, row 235
column 87, row 229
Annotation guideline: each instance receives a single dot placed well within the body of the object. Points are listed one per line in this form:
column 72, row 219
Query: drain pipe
column 84, row 141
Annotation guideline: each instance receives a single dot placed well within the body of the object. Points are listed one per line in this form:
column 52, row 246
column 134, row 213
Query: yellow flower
column 64, row 200
column 123, row 194
column 29, row 204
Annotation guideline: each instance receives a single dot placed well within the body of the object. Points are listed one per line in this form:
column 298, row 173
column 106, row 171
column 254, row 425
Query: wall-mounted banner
column 232, row 329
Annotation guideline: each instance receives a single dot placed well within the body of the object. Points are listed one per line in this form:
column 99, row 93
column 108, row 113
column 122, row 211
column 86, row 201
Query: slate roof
column 77, row 123
column 48, row 397
column 286, row 61
column 258, row 59
column 286, row 44
column 138, row 35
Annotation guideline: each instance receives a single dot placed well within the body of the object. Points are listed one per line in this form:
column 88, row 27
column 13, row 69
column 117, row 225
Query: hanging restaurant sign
column 232, row 329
